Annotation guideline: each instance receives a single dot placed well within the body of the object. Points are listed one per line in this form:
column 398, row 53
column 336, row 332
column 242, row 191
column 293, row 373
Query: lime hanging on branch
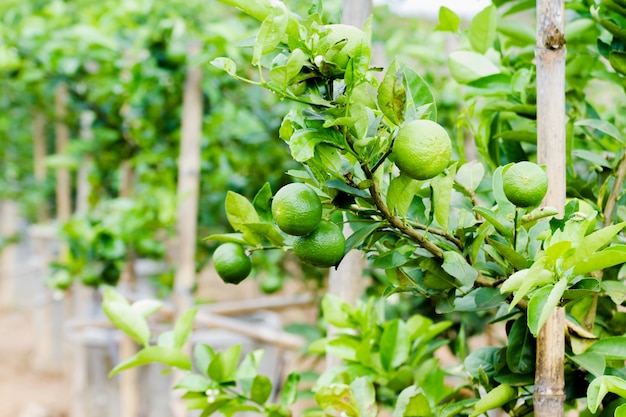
column 337, row 45
column 232, row 263
column 422, row 149
column 297, row 209
column 525, row 184
column 323, row 248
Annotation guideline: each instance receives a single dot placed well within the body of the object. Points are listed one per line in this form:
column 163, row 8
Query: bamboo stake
column 62, row 136
column 345, row 280
column 188, row 190
column 8, row 229
column 39, row 156
column 550, row 51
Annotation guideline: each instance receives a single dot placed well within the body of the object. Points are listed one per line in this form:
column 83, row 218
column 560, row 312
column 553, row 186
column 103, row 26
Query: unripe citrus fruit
column 422, row 149
column 324, row 247
column 297, row 209
column 339, row 44
column 231, row 263
column 525, row 184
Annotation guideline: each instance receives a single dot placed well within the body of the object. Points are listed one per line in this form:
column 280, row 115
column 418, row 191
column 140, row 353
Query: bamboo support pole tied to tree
column 550, row 51
column 344, row 280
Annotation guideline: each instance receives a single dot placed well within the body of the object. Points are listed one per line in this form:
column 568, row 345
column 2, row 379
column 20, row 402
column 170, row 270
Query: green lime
column 297, row 209
column 271, row 283
column 324, row 247
column 422, row 149
column 525, row 184
column 232, row 263
column 340, row 43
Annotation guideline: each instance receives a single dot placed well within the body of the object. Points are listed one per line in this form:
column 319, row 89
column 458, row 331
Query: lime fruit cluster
column 422, row 149
column 232, row 263
column 297, row 210
column 525, row 184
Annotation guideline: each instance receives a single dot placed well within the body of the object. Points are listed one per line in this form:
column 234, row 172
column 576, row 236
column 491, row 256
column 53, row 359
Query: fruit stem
column 515, row 226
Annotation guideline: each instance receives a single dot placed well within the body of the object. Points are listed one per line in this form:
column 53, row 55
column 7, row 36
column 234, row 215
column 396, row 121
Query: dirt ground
column 25, row 391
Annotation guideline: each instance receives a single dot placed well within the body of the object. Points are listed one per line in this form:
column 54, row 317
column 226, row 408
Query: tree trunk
column 549, row 396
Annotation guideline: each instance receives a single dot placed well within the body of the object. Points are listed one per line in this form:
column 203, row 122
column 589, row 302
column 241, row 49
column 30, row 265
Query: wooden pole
column 188, row 191
column 345, row 280
column 39, row 156
column 62, row 136
column 8, row 229
column 550, row 51
column 188, row 184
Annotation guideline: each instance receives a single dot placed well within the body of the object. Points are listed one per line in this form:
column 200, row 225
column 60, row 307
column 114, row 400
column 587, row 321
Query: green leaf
column 124, row 317
column 603, row 126
column 520, row 350
column 592, row 243
column 617, row 59
column 600, row 387
column 163, row 355
column 227, row 237
column 442, row 194
column 258, row 9
column 592, row 362
column 203, row 354
column 616, row 290
column 223, row 366
column 263, row 203
column 482, row 29
column 394, row 344
column 261, row 389
column 448, row 22
column 338, row 397
column 365, row 397
column 249, row 367
column 193, row 383
column 225, row 64
column 611, row 348
column 504, row 228
column 420, row 101
column 455, row 264
column 400, row 194
column 542, row 303
column 516, row 259
column 600, row 260
column 146, row 307
column 466, row 66
column 392, row 94
column 412, row 402
column 303, row 142
column 240, row 211
column 272, row 31
column 183, row 327
column 336, row 311
column 518, row 31
column 361, row 234
column 289, row 393
column 470, row 175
